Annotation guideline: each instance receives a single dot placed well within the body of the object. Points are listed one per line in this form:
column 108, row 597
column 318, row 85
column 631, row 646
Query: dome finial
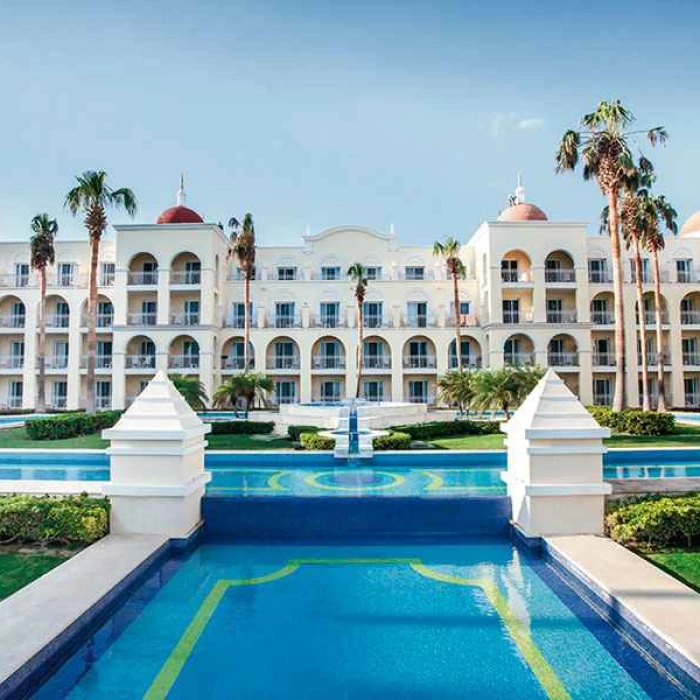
column 520, row 191
column 181, row 197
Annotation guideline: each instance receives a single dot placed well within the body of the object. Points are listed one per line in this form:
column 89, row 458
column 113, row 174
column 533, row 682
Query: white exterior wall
column 219, row 288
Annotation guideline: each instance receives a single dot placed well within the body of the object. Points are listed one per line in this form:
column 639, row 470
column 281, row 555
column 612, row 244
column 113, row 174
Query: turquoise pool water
column 469, row 621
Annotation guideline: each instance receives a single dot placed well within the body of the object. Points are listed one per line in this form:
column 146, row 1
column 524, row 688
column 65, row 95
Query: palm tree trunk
column 41, row 354
column 646, row 404
column 661, row 389
column 246, row 322
column 360, row 341
column 458, row 322
column 92, row 319
column 615, row 252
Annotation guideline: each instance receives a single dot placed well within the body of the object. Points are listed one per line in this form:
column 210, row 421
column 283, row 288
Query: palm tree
column 358, row 274
column 449, row 251
column 42, row 254
column 603, row 144
column 192, row 391
column 93, row 196
column 458, row 387
column 246, row 386
column 505, row 388
column 242, row 247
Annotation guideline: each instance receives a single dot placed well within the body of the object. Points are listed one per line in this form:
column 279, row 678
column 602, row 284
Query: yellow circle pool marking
column 438, row 483
column 171, row 669
column 273, row 482
column 312, row 480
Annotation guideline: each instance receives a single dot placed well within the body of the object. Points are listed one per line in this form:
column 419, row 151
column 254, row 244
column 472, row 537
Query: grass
column 248, row 442
column 681, row 563
column 682, row 436
column 17, row 569
column 17, row 438
column 469, row 442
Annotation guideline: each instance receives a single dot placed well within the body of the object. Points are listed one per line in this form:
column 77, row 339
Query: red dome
column 179, row 215
column 522, row 212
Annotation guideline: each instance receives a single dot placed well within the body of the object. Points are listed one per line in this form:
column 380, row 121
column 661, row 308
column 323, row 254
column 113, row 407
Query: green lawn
column 17, row 438
column 248, row 442
column 470, row 442
column 682, row 564
column 18, row 569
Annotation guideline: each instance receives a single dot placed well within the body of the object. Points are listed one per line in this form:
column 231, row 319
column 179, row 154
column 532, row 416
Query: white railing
column 101, row 320
column 106, row 280
column 465, row 320
column 56, row 362
column 11, row 362
column 650, row 318
column 148, row 319
column 283, row 362
column 515, row 317
column 235, row 363
column 183, row 361
column 516, row 276
column 602, row 318
column 421, row 398
column 65, row 280
column 329, row 321
column 602, row 399
column 561, row 317
column 468, row 362
column 562, row 359
column 286, row 321
column 419, row 321
column 648, row 277
column 142, row 279
column 12, row 321
column 419, row 362
column 184, row 319
column 236, row 322
column 101, row 361
column 103, row 403
column 518, row 359
column 57, row 402
column 603, row 359
column 376, row 362
column 19, row 281
column 691, row 359
column 12, row 402
column 690, row 318
column 692, row 400
column 375, row 321
column 140, row 361
column 560, row 275
column 185, row 277
column 328, row 362
column 653, row 358
column 57, row 321
column 596, row 277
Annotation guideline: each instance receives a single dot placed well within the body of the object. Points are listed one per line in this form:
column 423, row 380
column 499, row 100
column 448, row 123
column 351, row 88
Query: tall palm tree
column 42, row 253
column 242, row 247
column 93, row 197
column 192, row 391
column 358, row 274
column 448, row 250
column 603, row 144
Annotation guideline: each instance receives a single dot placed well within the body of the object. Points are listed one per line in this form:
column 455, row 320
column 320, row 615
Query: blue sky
column 329, row 113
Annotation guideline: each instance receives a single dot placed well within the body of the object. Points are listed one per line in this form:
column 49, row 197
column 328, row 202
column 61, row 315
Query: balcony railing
column 101, row 362
column 235, row 362
column 552, row 276
column 101, row 320
column 57, row 402
column 599, row 277
column 376, row 362
column 465, row 320
column 184, row 319
column 329, row 321
column 561, row 317
column 57, row 321
column 650, row 318
column 419, row 362
column 691, row 359
column 516, row 276
column 602, row 399
column 602, row 318
column 648, row 277
column 562, row 359
column 235, row 322
column 11, row 362
column 103, row 403
column 690, row 318
column 692, row 400
column 185, row 277
column 140, row 362
column 56, row 362
column 603, row 359
column 519, row 359
column 653, row 358
column 286, row 322
column 12, row 321
column 375, row 321
column 19, row 281
column 65, row 280
column 328, row 362
column 147, row 319
column 515, row 317
column 142, row 279
column 686, row 276
column 106, row 280
column 183, row 361
column 468, row 362
column 421, row 398
column 283, row 362
column 12, row 402
column 419, row 321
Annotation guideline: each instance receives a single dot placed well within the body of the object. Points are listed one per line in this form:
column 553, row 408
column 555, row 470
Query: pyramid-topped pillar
column 157, row 464
column 555, row 463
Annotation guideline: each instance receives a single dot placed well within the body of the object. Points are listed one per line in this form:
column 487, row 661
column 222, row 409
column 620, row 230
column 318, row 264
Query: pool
column 478, row 620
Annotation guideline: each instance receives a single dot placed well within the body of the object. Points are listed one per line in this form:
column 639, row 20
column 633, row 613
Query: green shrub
column 294, row 431
column 657, row 521
column 241, row 427
column 634, row 421
column 68, row 425
column 47, row 520
column 314, row 441
column 447, row 428
column 392, row 441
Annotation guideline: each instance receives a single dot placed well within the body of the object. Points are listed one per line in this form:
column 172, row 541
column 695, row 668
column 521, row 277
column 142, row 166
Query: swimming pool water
column 468, row 621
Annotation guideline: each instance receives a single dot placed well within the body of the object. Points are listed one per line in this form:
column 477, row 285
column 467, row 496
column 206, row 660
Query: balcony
column 101, row 362
column 602, row 399
column 516, row 277
column 57, row 403
column 559, row 276
column 648, row 277
column 421, row 398
column 12, row 403
column 599, row 277
column 562, row 359
column 11, row 361
column 147, row 362
column 286, row 321
column 235, row 363
column 686, row 276
column 325, row 362
column 235, row 322
column 691, row 359
column 650, row 318
column 188, row 278
column 419, row 321
column 184, row 319
column 142, row 279
column 603, row 359
column 561, row 317
column 103, row 403
column 57, row 321
column 419, row 362
column 519, row 359
column 375, row 321
column 376, row 362
column 465, row 321
column 183, row 361
column 17, row 281
column 329, row 321
column 56, row 362
column 101, row 320
column 12, row 321
column 141, row 319
column 283, row 362
column 653, row 359
column 602, row 318
column 512, row 318
column 692, row 400
column 468, row 362
column 690, row 318
column 64, row 281
column 106, row 279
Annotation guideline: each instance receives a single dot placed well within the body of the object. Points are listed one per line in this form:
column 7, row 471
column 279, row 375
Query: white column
column 163, row 315
column 118, row 380
column 539, row 295
column 208, row 299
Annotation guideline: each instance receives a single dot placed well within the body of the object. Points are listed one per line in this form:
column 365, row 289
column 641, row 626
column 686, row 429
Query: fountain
column 353, row 442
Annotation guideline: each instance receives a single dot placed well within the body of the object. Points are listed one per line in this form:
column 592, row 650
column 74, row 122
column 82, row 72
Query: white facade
column 536, row 291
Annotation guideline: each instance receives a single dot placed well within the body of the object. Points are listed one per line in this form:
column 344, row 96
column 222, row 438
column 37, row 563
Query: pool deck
column 53, row 607
column 668, row 609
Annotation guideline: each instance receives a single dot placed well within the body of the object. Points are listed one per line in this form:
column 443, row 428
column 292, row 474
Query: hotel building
column 536, row 291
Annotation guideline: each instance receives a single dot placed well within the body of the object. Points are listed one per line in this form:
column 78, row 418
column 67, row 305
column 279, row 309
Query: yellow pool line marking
column 544, row 673
column 437, row 483
column 312, row 480
column 273, row 483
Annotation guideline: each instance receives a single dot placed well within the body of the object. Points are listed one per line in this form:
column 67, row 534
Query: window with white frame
column 330, row 273
column 286, row 273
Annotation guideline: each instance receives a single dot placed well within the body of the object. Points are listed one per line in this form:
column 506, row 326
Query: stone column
column 555, row 463
column 157, row 464
column 163, row 297
column 539, row 295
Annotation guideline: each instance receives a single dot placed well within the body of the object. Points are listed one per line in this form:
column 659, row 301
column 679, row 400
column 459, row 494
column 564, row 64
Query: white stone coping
column 565, row 433
column 151, row 434
column 602, row 488
column 51, row 487
column 111, row 488
column 137, row 450
column 38, row 613
column 663, row 604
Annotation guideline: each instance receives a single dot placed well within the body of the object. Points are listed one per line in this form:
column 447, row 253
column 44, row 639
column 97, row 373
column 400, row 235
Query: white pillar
column 157, row 464
column 555, row 463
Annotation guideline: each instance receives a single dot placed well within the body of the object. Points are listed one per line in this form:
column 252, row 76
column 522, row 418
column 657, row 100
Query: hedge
column 657, row 521
column 48, row 520
column 241, row 427
column 392, row 441
column 295, row 431
column 70, row 425
column 634, row 421
column 447, row 428
column 314, row 441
